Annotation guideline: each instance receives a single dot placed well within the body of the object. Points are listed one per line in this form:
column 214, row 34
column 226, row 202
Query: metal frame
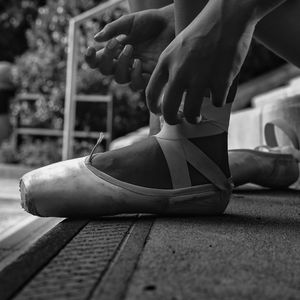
column 70, row 96
column 33, row 131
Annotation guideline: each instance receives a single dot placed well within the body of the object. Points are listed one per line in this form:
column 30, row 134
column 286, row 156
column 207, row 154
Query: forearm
column 186, row 11
column 264, row 7
column 280, row 31
column 138, row 5
column 233, row 17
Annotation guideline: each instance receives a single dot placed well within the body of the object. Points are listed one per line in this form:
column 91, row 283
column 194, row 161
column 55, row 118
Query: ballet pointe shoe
column 75, row 188
column 271, row 165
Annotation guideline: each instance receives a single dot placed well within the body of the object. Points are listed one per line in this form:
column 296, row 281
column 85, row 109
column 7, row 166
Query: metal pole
column 70, row 102
column 70, row 95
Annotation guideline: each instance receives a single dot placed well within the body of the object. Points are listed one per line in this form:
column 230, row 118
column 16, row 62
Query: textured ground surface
column 252, row 252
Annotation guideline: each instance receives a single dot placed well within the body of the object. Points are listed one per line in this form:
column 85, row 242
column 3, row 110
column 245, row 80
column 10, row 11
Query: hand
column 141, row 37
column 203, row 58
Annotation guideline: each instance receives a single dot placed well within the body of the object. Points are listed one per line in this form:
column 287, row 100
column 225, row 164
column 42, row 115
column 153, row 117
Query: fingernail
column 179, row 118
column 90, row 51
column 121, row 37
column 135, row 64
column 99, row 35
column 199, row 119
column 127, row 50
column 112, row 44
column 180, row 115
column 194, row 120
column 159, row 109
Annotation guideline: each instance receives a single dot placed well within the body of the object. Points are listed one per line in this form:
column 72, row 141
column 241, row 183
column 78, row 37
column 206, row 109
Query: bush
column 42, row 70
column 8, row 154
column 37, row 152
column 16, row 17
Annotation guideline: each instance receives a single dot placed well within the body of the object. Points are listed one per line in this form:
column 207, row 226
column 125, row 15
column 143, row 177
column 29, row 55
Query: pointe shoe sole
column 74, row 188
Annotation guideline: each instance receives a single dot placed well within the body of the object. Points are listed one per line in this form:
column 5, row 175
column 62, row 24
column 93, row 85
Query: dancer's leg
column 138, row 5
column 280, row 31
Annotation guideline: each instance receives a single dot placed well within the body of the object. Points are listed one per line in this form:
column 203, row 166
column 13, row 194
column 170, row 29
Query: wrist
column 231, row 17
column 138, row 5
column 167, row 12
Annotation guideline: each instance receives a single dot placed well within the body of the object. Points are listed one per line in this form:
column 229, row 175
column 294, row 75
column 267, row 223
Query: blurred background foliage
column 33, row 35
column 42, row 69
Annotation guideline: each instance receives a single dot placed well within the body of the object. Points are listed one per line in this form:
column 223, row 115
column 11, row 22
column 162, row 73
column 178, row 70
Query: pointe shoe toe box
column 63, row 187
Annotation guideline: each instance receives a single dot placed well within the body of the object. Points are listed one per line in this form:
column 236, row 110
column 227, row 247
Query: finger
column 155, row 87
column 113, row 48
column 171, row 101
column 139, row 80
column 122, row 39
column 105, row 57
column 192, row 104
column 233, row 90
column 219, row 93
column 90, row 57
column 123, row 65
column 120, row 26
column 104, row 63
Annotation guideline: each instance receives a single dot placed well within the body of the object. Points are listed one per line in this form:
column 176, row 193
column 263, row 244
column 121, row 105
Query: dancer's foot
column 144, row 163
column 182, row 170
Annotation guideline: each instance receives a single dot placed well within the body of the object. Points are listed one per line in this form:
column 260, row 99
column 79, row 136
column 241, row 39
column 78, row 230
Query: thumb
column 120, row 26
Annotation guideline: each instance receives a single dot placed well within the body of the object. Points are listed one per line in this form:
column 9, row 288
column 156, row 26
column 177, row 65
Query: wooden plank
column 29, row 97
column 38, row 131
column 14, row 276
column 93, row 98
column 57, row 133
